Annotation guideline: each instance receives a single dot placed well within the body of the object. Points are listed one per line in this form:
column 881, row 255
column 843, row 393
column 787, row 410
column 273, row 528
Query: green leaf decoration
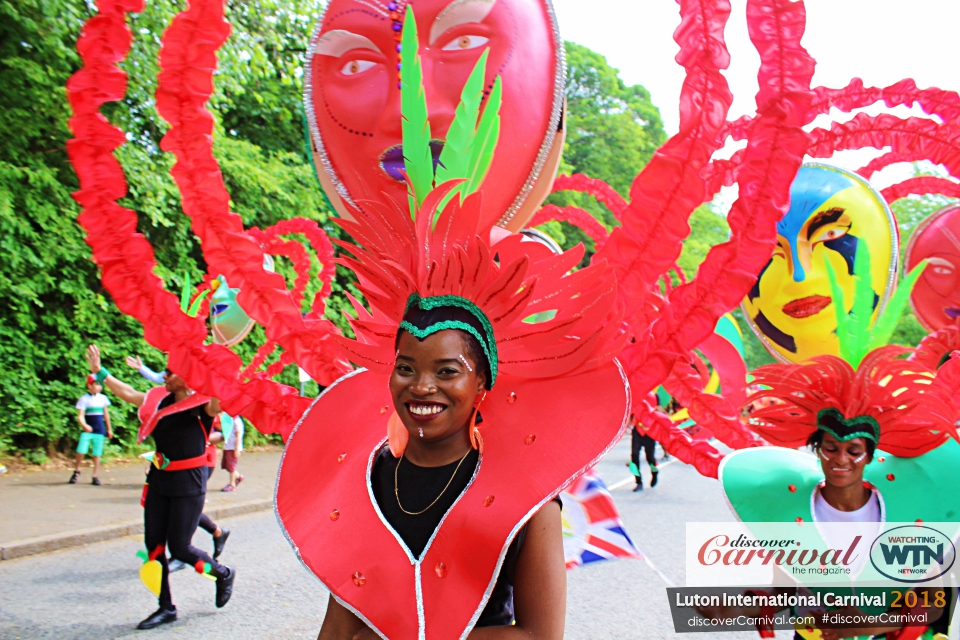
column 195, row 305
column 185, row 293
column 417, row 158
column 863, row 298
column 887, row 321
column 488, row 133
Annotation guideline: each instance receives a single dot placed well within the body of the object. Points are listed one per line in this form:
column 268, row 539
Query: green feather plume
column 417, row 158
column 886, row 323
column 468, row 150
column 857, row 335
column 191, row 308
column 455, row 157
column 488, row 133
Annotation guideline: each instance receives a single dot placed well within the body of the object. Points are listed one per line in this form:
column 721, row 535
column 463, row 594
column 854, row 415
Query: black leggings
column 171, row 522
column 207, row 524
column 640, row 441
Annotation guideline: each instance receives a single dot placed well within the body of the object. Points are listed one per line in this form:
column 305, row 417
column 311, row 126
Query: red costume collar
column 150, row 416
column 538, row 436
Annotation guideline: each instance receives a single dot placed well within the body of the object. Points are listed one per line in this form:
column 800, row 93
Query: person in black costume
column 642, row 441
column 435, row 384
column 176, row 484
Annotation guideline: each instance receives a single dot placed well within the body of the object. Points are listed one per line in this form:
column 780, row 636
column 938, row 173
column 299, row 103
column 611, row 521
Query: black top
column 418, row 486
column 180, row 436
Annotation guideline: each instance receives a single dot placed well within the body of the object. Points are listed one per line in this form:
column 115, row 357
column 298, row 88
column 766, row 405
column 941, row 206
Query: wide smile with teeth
column 425, row 410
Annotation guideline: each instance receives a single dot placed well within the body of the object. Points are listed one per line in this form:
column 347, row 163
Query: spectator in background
column 232, row 448
column 94, row 418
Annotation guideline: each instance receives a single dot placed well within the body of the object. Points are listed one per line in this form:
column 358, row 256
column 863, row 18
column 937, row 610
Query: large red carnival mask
column 353, row 100
column 936, row 296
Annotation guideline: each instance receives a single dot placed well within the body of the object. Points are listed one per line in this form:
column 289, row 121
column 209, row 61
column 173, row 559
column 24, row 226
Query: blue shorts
column 86, row 439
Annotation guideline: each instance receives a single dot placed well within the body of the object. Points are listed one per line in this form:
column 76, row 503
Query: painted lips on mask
column 806, row 307
column 391, row 160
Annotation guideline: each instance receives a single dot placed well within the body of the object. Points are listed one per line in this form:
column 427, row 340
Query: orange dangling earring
column 476, row 441
column 397, row 435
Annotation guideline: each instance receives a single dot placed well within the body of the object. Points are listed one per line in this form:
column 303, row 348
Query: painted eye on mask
column 355, row 67
column 465, row 42
column 826, row 235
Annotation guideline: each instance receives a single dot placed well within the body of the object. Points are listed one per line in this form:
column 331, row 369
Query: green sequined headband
column 833, row 422
column 487, row 342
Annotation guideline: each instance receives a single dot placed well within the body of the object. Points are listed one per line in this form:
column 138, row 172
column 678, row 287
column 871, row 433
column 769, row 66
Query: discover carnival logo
column 788, row 553
column 912, row 553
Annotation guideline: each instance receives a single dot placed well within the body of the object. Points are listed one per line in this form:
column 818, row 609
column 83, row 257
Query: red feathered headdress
column 889, row 400
column 404, row 261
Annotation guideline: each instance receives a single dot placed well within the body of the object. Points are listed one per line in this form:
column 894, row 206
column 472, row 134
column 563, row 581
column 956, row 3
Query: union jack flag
column 592, row 529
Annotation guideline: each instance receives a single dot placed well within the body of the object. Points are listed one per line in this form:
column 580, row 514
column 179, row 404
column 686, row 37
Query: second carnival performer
column 180, row 422
column 882, row 437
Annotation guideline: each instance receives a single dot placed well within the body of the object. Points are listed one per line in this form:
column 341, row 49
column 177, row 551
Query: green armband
column 102, row 374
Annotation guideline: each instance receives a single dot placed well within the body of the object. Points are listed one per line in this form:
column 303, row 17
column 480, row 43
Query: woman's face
column 432, row 385
column 843, row 462
column 175, row 383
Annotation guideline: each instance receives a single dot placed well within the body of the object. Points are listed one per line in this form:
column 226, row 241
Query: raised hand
column 134, row 362
column 93, row 357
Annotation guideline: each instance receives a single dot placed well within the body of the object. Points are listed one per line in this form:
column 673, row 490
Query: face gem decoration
column 353, row 103
column 832, row 213
column 421, row 431
column 936, row 296
column 465, row 363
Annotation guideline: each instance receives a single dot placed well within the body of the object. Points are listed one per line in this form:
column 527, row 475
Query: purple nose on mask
column 391, row 160
column 953, row 312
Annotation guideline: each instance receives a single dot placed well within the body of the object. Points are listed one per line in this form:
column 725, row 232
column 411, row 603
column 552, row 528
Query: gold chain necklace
column 396, row 489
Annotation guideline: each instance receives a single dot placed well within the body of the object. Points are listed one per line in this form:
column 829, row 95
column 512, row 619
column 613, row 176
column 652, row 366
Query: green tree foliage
column 55, row 302
column 612, row 131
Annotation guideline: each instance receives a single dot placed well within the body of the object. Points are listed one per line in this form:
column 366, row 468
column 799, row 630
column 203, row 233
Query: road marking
column 627, row 481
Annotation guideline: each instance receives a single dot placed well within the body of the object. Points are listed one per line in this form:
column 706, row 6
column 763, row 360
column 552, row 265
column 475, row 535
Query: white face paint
column 860, row 458
column 823, row 456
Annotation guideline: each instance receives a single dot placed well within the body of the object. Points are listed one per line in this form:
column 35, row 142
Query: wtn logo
column 914, row 554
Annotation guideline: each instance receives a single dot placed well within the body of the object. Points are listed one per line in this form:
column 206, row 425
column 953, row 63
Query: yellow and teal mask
column 832, row 213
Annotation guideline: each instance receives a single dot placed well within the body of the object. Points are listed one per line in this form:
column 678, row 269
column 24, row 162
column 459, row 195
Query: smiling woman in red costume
column 421, row 490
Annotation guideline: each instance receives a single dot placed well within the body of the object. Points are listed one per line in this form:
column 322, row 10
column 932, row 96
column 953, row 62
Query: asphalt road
column 94, row 592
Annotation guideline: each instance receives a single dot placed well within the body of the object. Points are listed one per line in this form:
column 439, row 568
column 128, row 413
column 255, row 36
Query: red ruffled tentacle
column 597, row 188
column 576, row 216
column 669, row 188
column 883, row 161
column 708, row 410
column 125, row 257
column 774, row 153
column 920, row 186
column 922, row 138
column 187, row 62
